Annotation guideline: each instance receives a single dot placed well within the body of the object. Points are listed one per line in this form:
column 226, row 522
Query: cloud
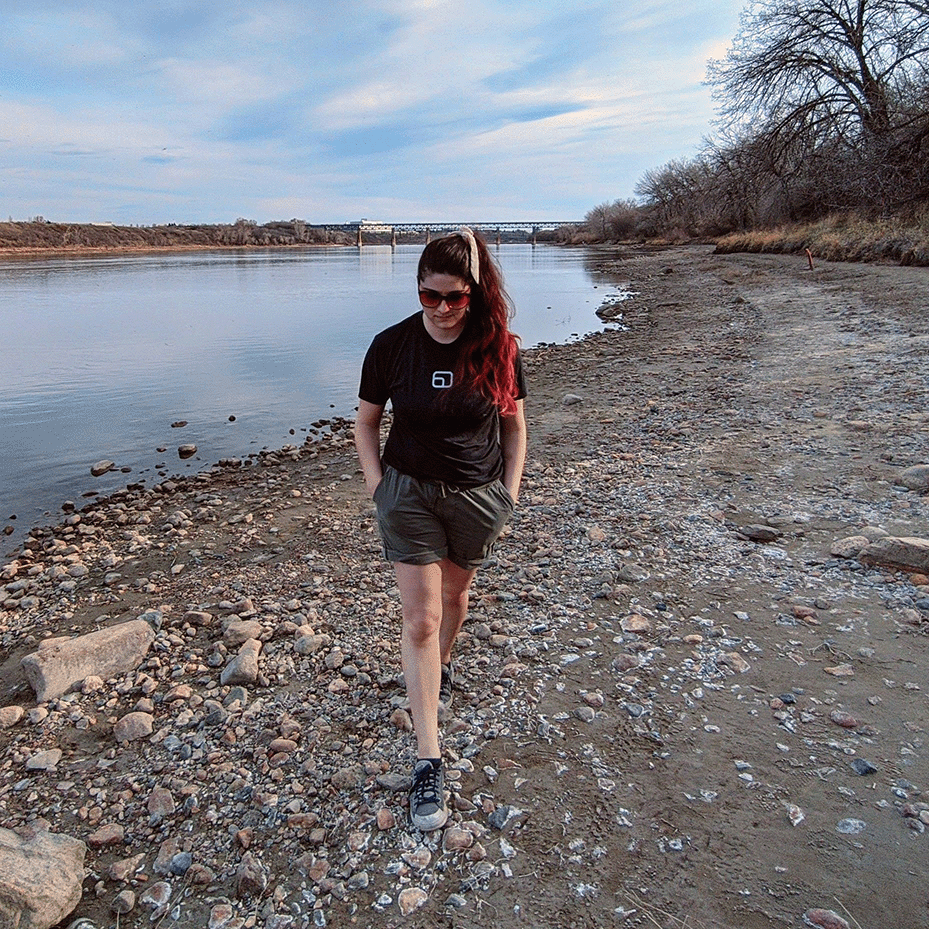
column 180, row 111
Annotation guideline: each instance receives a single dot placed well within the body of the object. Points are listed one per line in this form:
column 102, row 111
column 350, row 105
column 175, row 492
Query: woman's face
column 444, row 323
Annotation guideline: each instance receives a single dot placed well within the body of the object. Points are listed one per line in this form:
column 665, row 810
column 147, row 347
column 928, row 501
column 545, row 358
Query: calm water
column 101, row 355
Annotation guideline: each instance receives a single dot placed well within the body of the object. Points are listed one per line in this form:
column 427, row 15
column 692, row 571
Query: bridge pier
column 360, row 242
column 393, row 236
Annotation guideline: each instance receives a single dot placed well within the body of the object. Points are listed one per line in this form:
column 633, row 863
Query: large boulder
column 40, row 879
column 916, row 478
column 907, row 554
column 61, row 663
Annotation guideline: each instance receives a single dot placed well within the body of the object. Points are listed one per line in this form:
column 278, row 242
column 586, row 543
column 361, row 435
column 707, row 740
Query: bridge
column 489, row 230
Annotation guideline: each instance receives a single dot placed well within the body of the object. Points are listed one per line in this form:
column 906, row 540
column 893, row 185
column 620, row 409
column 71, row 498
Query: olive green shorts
column 422, row 522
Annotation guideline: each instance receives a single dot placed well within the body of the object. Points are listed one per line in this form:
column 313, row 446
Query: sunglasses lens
column 455, row 300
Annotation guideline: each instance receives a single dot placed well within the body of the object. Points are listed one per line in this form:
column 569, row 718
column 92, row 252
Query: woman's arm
column 513, row 443
column 368, row 442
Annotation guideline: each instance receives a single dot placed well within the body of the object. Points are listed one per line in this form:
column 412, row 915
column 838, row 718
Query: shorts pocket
column 507, row 496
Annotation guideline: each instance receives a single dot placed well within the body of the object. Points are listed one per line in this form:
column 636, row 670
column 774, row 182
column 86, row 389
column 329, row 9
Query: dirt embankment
column 682, row 702
column 38, row 239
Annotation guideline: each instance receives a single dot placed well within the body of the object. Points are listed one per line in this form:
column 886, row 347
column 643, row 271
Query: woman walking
column 450, row 473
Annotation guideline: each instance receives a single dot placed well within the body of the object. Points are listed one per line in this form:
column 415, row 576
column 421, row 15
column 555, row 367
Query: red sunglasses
column 454, row 299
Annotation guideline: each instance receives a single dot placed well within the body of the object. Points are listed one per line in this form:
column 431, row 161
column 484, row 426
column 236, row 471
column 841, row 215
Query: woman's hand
column 368, row 443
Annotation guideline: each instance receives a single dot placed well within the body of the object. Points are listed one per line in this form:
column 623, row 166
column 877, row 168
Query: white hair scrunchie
column 475, row 261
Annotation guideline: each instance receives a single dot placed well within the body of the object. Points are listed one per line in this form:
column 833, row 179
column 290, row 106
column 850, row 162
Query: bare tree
column 829, row 96
column 819, row 69
column 597, row 221
column 823, row 107
column 617, row 221
column 675, row 194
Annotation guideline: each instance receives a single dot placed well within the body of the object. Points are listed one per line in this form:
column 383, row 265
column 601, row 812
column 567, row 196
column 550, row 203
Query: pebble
column 401, row 720
column 758, row 533
column 221, row 915
column 456, row 839
column 843, row 719
column 123, row 902
column 636, row 623
column 385, row 819
column 502, row 816
column 134, row 726
column 180, row 864
column 734, row 661
column 156, row 897
column 251, row 878
column 623, row 662
column 794, row 814
column 825, row 919
column 44, row 761
column 350, row 776
column 109, row 834
column 123, row 869
column 850, row 547
column 418, row 858
column 393, row 781
column 161, row 802
column 863, row 767
column 411, row 898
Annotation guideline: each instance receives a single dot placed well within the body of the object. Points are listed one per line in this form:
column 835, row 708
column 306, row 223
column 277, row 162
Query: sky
column 200, row 111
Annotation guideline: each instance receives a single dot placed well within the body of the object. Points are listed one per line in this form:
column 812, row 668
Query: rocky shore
column 692, row 687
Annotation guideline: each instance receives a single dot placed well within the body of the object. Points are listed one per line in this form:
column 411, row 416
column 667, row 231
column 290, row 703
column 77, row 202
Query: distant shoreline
column 91, row 251
column 40, row 237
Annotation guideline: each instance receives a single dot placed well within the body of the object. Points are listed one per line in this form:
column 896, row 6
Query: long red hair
column 487, row 361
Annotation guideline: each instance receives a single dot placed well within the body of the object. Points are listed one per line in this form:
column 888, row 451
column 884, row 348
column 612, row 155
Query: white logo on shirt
column 442, row 378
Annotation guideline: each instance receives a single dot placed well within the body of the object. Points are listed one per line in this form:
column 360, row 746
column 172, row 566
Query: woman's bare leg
column 456, row 582
column 434, row 598
column 421, row 598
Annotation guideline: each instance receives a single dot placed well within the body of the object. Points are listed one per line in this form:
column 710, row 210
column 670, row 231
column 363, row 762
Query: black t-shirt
column 437, row 434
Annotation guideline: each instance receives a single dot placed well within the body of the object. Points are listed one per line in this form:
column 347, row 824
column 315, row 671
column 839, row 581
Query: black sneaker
column 445, row 687
column 427, row 796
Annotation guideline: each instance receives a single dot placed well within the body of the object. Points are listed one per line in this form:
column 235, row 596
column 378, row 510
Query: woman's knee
column 421, row 625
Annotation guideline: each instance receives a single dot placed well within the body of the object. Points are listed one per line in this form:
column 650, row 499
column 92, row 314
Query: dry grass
column 842, row 238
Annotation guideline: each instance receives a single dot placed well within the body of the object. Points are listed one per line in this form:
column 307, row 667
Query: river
column 102, row 355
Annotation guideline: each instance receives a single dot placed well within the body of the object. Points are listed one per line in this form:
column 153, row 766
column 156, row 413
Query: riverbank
column 685, row 698
column 842, row 237
column 21, row 239
column 105, row 251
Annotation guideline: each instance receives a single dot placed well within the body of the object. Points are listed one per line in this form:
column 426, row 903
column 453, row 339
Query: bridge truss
column 488, row 230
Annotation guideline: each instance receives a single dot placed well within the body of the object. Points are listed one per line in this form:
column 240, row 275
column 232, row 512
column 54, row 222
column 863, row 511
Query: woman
column 450, row 472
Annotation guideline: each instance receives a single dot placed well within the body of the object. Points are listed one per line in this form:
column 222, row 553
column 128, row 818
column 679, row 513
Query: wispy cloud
column 197, row 111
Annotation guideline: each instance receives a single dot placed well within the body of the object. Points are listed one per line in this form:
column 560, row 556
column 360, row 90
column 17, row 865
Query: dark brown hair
column 487, row 362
